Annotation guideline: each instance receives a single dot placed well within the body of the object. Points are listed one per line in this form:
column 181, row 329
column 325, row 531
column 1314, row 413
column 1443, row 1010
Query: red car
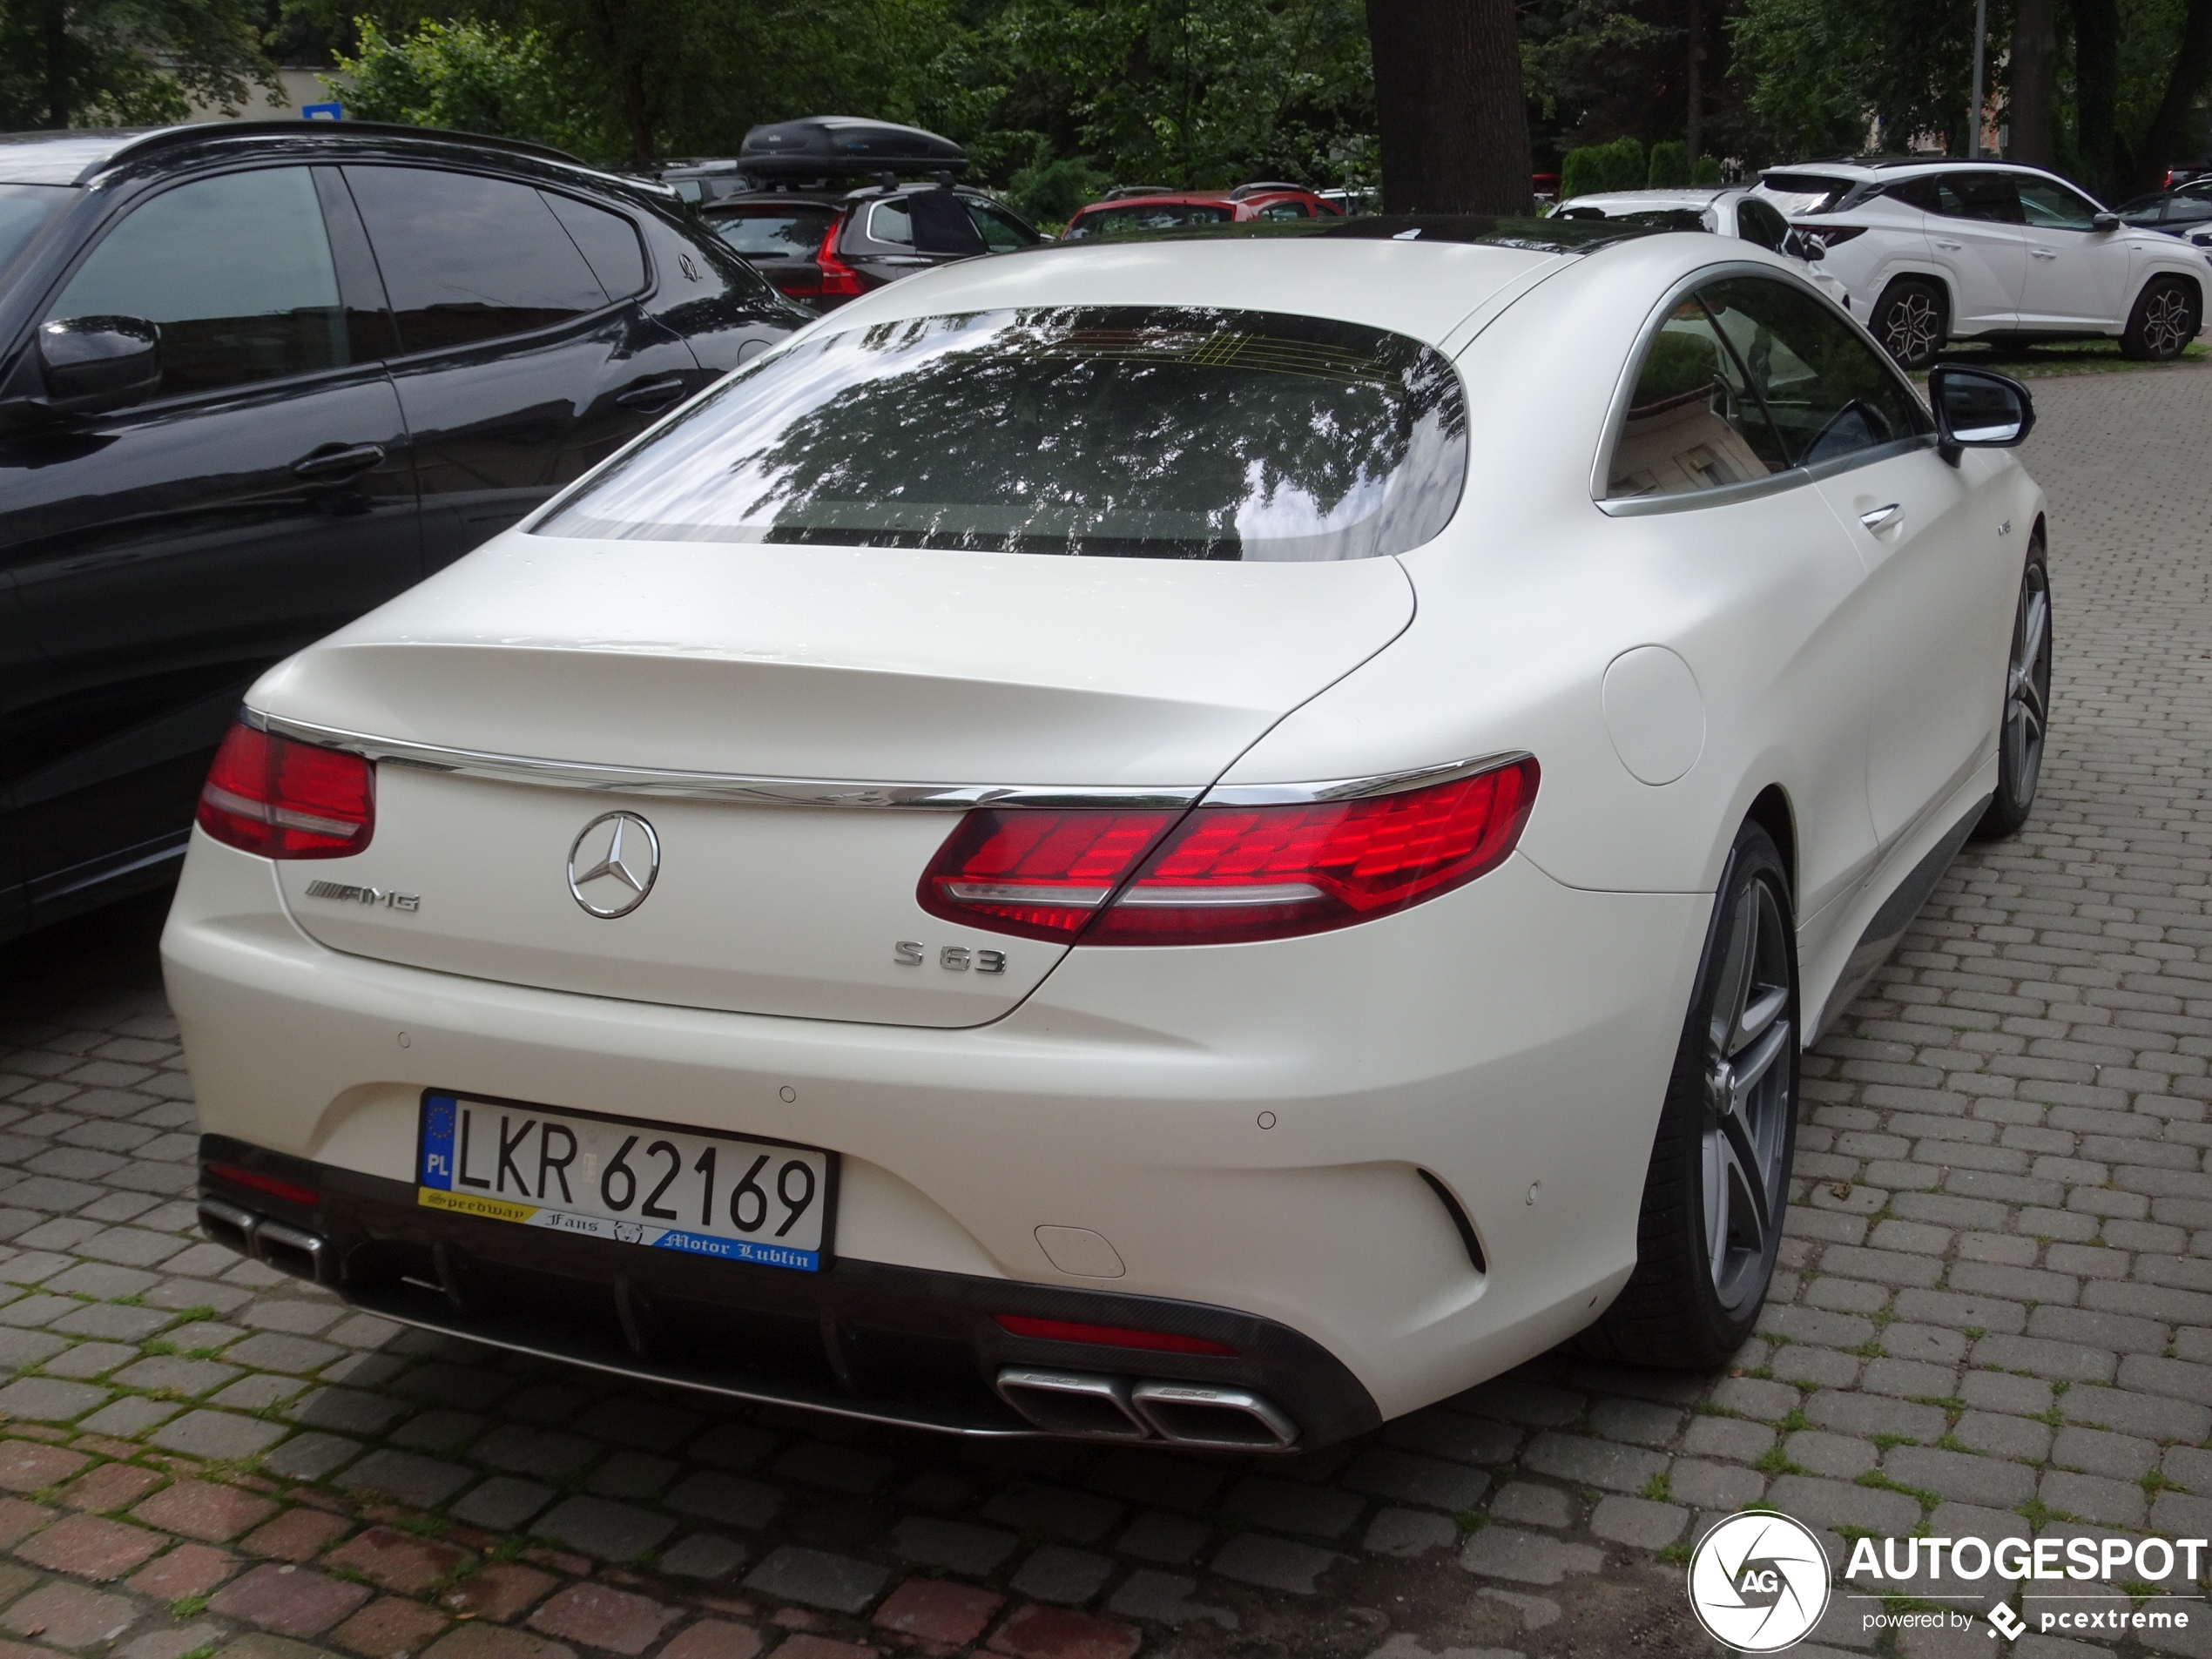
column 1151, row 207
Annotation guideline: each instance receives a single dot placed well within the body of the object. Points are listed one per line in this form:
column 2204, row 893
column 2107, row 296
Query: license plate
column 728, row 1196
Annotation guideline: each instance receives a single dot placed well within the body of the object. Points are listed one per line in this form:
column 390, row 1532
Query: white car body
column 1263, row 1128
column 1719, row 205
column 2027, row 277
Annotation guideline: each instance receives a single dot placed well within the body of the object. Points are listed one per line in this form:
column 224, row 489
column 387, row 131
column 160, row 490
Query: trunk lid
column 629, row 661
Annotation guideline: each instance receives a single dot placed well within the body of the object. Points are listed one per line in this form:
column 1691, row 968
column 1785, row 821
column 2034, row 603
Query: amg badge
column 384, row 896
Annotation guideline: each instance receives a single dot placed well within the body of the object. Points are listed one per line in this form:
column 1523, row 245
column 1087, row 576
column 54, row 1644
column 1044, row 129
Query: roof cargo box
column 827, row 145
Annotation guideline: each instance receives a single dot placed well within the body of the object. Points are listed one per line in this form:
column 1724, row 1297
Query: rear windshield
column 1138, row 217
column 1120, row 432
column 24, row 210
column 778, row 232
column 1804, row 192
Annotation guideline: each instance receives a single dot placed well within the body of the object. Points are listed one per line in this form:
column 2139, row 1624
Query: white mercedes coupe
column 1200, row 841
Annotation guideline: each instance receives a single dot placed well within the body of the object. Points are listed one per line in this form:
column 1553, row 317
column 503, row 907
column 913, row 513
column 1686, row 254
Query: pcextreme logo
column 1759, row 1582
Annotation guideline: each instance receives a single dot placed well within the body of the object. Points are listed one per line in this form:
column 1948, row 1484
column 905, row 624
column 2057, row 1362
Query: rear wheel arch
column 1771, row 811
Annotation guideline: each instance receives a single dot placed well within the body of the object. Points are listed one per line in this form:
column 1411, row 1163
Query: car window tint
column 237, row 272
column 466, row 257
column 1977, row 195
column 1284, row 210
column 775, row 233
column 1915, row 193
column 1756, row 222
column 607, row 240
column 24, row 210
column 1692, row 423
column 2188, row 209
column 1104, row 432
column 1139, row 217
column 1002, row 231
column 888, row 222
column 943, row 224
column 2046, row 203
column 1829, row 392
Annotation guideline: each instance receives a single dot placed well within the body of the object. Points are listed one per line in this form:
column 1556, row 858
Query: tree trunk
column 1696, row 80
column 2190, row 65
column 610, row 22
column 2096, row 68
column 1453, row 117
column 57, row 98
column 2035, row 72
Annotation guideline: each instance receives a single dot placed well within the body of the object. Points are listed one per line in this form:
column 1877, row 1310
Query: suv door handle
column 328, row 465
column 2043, row 253
column 653, row 396
column 1883, row 518
column 1949, row 247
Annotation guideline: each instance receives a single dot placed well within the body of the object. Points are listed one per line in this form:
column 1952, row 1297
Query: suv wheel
column 2164, row 321
column 1719, row 1180
column 1912, row 320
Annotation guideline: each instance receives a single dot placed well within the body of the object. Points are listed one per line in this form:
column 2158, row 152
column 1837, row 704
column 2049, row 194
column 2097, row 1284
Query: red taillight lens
column 1229, row 873
column 268, row 1184
column 839, row 280
column 1040, row 874
column 1108, row 1336
column 283, row 799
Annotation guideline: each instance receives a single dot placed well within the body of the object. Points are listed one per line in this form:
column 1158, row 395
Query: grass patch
column 188, row 1607
column 2154, row 1482
column 1470, row 1520
column 1655, row 1487
column 424, row 1525
column 1881, row 1482
column 1888, row 1442
column 1775, row 1461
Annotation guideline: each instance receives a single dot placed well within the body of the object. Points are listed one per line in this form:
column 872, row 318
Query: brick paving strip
column 1993, row 1317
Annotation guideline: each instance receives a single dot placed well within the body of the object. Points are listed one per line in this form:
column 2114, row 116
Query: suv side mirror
column 92, row 364
column 2104, row 221
column 1976, row 409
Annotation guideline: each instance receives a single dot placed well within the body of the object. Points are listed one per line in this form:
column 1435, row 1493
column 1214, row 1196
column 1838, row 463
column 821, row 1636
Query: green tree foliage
column 1598, row 167
column 81, row 63
column 471, row 76
column 1669, row 168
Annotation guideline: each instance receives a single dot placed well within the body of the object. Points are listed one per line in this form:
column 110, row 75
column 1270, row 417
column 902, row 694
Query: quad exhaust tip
column 303, row 1255
column 1104, row 1407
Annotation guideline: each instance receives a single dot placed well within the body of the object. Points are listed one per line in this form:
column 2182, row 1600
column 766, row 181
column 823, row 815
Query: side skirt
column 1894, row 917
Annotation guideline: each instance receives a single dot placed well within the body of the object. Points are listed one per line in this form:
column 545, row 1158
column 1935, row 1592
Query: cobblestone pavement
column 1993, row 1318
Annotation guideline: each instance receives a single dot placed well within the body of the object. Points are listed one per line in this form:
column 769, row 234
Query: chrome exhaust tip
column 1231, row 1419
column 1072, row 1402
column 288, row 1250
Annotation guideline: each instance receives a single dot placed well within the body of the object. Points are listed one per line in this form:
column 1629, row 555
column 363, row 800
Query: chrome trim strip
column 826, row 792
column 712, row 785
column 1388, row 783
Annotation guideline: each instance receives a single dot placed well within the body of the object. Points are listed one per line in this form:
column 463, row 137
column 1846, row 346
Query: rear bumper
column 859, row 1339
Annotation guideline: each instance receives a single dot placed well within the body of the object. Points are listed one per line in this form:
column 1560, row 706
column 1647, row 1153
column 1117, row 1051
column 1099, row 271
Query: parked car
column 1933, row 250
column 883, row 947
column 1153, row 207
column 2186, row 212
column 257, row 377
column 822, row 242
column 1723, row 210
column 696, row 178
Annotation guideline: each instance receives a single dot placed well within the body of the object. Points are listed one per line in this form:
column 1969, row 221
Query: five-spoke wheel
column 2028, row 703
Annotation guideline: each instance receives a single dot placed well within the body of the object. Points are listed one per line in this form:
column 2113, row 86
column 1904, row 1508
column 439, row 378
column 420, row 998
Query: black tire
column 2168, row 313
column 1912, row 321
column 2028, row 703
column 1682, row 1308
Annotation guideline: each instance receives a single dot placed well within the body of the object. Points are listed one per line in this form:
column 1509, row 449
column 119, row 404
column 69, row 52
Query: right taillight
column 285, row 799
column 839, row 280
column 1223, row 872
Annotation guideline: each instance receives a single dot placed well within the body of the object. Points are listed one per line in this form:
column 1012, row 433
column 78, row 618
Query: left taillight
column 1224, row 872
column 287, row 799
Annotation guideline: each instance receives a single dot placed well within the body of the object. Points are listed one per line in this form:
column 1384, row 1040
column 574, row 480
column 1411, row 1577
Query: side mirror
column 1806, row 245
column 1976, row 409
column 2104, row 221
column 91, row 364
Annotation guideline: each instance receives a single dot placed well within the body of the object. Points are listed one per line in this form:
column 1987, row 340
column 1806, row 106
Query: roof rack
column 1123, row 192
column 1261, row 188
column 201, row 131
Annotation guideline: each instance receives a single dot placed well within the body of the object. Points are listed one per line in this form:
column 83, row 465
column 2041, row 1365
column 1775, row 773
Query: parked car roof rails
column 1261, row 188
column 1123, row 192
column 134, row 147
column 843, row 146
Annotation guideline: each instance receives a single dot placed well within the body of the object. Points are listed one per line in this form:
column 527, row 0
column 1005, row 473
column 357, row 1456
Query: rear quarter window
column 1804, row 192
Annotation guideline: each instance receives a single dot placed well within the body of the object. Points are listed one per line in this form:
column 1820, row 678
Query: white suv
column 1934, row 250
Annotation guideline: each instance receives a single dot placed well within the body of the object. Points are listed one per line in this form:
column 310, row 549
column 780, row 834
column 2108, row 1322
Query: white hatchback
column 1205, row 842
column 1938, row 250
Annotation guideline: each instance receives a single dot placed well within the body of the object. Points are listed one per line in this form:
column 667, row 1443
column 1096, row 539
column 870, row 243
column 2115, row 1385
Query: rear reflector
column 1108, row 1336
column 268, row 1184
column 1223, row 875
column 283, row 799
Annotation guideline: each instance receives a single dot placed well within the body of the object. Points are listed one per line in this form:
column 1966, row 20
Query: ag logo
column 1759, row 1582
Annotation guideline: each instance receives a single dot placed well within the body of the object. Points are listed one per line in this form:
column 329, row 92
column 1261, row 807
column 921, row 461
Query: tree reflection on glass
column 1114, row 431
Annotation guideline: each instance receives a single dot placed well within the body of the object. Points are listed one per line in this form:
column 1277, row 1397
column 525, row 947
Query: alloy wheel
column 1909, row 328
column 1748, row 1096
column 2165, row 322
column 2027, row 684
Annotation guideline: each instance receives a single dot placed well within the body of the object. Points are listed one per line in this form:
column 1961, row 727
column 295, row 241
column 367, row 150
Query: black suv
column 823, row 242
column 257, row 378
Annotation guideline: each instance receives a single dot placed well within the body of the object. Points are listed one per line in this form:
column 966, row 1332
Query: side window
column 607, row 240
column 237, row 272
column 1828, row 392
column 1002, row 231
column 1915, row 193
column 2188, row 209
column 1756, row 222
column 467, row 259
column 1977, row 195
column 888, row 222
column 1284, row 210
column 2049, row 204
column 1692, row 423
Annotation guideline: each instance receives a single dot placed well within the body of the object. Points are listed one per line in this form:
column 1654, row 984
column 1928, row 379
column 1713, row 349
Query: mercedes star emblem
column 613, row 864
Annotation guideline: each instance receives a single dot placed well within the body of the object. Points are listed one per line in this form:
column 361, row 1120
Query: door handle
column 2043, row 253
column 1949, row 247
column 328, row 465
column 1882, row 518
column 653, row 396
